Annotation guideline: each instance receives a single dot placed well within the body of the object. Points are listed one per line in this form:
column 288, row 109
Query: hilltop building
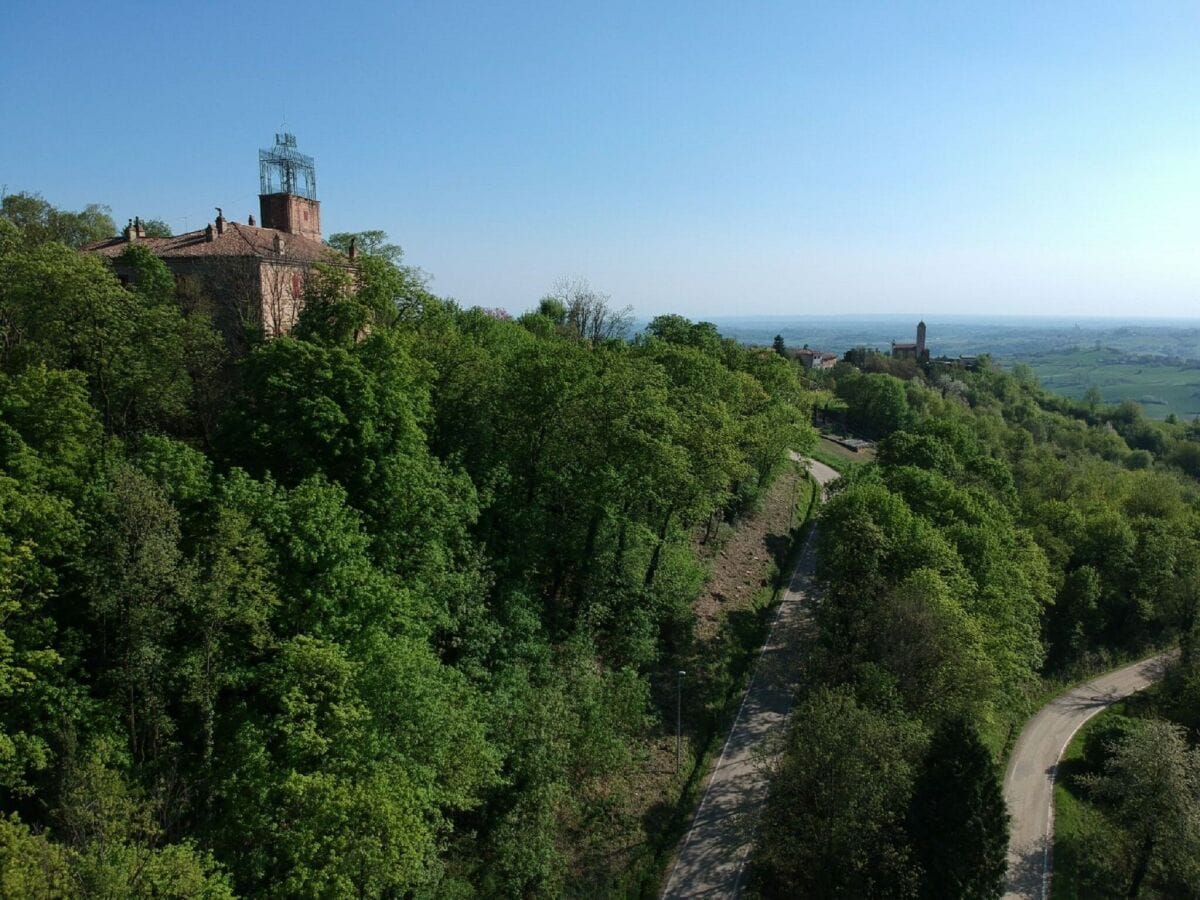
column 816, row 359
column 253, row 274
column 917, row 350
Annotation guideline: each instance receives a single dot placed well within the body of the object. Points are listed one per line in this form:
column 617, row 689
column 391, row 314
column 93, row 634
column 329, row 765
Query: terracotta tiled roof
column 237, row 240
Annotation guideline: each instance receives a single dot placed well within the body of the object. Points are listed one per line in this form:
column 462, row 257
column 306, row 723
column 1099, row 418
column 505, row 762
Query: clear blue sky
column 703, row 158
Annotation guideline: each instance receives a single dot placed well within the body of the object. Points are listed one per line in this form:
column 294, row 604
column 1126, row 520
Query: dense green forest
column 369, row 611
column 1004, row 536
column 377, row 609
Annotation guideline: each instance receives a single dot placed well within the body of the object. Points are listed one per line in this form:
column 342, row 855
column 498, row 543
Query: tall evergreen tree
column 957, row 819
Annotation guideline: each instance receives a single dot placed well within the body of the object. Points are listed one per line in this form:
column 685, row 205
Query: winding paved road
column 710, row 860
column 1029, row 781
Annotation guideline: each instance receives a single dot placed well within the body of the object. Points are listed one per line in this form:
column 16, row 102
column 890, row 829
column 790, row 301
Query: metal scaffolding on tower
column 285, row 170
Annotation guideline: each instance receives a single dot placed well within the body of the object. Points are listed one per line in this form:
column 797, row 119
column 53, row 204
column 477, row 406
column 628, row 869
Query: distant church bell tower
column 288, row 189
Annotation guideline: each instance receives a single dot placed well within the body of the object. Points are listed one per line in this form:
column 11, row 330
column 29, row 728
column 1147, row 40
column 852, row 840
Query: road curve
column 1029, row 780
column 713, row 853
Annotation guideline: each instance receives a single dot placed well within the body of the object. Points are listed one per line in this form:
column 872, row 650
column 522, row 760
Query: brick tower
column 288, row 189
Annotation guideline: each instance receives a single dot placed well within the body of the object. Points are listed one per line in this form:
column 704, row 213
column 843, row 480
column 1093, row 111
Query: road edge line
column 1048, row 850
column 733, row 726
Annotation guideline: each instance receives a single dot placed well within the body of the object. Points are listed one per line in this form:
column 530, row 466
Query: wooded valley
column 1006, row 540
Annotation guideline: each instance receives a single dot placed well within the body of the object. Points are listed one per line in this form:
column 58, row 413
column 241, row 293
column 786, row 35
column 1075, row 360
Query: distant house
column 816, row 359
column 254, row 274
column 969, row 363
column 916, row 350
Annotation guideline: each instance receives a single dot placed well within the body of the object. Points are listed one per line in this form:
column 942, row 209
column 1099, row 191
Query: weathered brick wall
column 295, row 215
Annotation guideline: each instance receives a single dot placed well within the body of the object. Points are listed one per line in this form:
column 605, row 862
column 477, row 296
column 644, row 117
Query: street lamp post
column 679, row 717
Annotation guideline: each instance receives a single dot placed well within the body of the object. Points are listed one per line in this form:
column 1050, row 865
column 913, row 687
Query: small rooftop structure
column 285, row 170
column 287, row 181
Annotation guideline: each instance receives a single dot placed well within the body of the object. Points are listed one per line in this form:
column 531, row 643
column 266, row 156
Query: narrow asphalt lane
column 710, row 860
column 1029, row 780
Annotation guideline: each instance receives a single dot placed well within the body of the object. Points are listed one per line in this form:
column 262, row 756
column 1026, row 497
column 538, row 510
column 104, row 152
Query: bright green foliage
column 935, row 651
column 354, row 416
column 35, row 867
column 368, row 243
column 833, row 826
column 337, row 790
column 562, row 726
column 341, row 307
column 41, row 223
column 366, row 612
column 371, row 611
column 1152, row 783
column 933, row 582
column 156, row 228
column 1001, row 534
column 115, row 836
column 878, row 403
column 67, row 311
column 678, row 330
column 32, row 866
column 149, row 278
column 48, row 439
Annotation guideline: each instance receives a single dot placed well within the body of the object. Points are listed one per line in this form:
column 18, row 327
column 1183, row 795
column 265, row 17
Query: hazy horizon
column 855, row 158
column 1184, row 321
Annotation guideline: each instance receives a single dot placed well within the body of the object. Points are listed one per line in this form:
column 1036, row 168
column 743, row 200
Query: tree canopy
column 369, row 610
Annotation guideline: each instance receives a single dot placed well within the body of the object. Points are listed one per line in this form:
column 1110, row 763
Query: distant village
column 915, row 350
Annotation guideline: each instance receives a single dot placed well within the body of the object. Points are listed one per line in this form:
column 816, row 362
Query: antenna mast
column 285, row 170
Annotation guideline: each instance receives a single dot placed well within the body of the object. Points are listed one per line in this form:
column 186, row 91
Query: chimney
column 251, row 222
column 139, row 227
column 353, row 248
column 129, row 234
column 208, row 233
column 278, row 242
column 220, row 221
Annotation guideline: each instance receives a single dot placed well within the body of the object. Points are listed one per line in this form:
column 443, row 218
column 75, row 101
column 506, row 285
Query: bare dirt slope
column 642, row 800
column 741, row 566
column 713, row 853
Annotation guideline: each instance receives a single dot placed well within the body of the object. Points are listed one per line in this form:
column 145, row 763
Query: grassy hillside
column 1160, row 386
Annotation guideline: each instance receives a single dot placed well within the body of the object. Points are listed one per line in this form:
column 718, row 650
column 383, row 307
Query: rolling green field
column 1161, row 387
